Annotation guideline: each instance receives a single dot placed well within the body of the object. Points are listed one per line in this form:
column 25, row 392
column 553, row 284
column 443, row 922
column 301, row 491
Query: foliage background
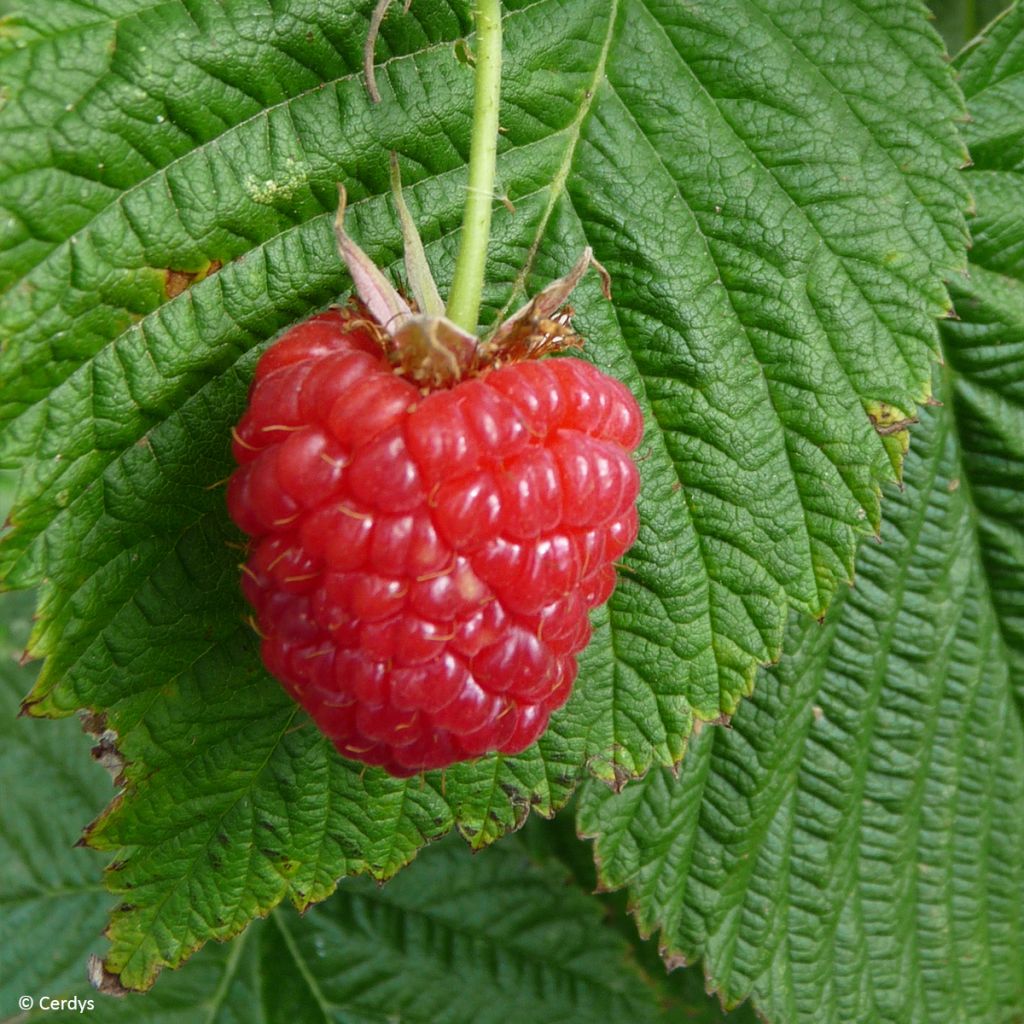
column 399, row 946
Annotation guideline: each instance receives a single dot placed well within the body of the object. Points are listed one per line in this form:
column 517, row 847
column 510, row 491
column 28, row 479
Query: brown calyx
column 428, row 348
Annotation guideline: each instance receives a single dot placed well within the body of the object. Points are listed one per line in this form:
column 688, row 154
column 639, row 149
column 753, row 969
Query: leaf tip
column 673, row 961
column 30, row 706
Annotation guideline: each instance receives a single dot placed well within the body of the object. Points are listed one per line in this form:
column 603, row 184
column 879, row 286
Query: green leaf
column 48, row 890
column 681, row 991
column 985, row 346
column 777, row 217
column 852, row 849
column 455, row 939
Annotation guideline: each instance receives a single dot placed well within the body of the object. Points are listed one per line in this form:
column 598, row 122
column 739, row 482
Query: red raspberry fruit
column 423, row 560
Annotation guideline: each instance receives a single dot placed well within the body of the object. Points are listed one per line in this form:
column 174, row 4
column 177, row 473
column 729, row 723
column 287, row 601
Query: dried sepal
column 378, row 294
column 434, row 352
column 544, row 324
column 417, row 270
column 553, row 296
column 427, row 347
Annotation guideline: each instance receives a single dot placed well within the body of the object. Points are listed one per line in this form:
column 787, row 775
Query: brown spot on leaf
column 887, row 419
column 93, row 722
column 103, row 980
column 179, row 281
column 673, row 961
column 29, row 706
column 622, row 775
column 699, row 723
column 106, row 753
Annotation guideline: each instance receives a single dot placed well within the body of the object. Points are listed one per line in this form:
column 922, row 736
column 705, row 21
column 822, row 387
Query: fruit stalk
column 467, row 287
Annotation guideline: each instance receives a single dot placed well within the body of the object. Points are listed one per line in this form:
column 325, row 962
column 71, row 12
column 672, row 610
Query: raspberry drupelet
column 423, row 558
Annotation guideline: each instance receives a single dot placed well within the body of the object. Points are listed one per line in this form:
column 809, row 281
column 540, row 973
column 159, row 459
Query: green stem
column 468, row 285
column 970, row 20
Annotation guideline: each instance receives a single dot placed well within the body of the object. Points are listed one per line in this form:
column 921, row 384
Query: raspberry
column 422, row 560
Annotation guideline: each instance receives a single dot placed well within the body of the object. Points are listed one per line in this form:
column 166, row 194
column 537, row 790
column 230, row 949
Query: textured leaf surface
column 986, row 345
column 509, row 937
column 47, row 889
column 681, row 991
column 853, row 848
column 776, row 215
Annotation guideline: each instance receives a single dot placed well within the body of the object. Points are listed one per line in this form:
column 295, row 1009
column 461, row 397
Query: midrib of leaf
column 915, row 805
column 1000, row 726
column 557, row 187
column 20, row 841
column 220, row 994
column 998, row 84
column 877, row 683
column 519, row 952
column 618, row 662
column 537, row 961
column 647, row 929
column 399, row 811
column 318, row 861
column 980, row 892
column 315, row 991
column 50, row 893
column 480, row 839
